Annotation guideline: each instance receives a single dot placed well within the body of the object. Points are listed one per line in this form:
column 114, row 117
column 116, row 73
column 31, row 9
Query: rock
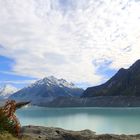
column 51, row 133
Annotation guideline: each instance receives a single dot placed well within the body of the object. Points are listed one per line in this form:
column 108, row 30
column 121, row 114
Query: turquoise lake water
column 100, row 120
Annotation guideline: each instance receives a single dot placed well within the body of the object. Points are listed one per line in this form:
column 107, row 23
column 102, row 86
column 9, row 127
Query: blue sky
column 7, row 76
column 82, row 41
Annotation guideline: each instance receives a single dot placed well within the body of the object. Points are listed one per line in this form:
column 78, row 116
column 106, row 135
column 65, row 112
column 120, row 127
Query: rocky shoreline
column 51, row 133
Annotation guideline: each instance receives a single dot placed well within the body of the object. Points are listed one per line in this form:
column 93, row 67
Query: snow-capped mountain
column 46, row 90
column 51, row 80
column 7, row 90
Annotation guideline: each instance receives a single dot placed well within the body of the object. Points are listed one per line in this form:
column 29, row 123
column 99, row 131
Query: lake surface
column 101, row 120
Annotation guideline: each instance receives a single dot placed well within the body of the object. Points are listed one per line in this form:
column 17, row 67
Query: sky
column 82, row 41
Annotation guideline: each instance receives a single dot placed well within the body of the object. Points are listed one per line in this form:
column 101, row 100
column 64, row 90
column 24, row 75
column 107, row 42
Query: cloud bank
column 73, row 39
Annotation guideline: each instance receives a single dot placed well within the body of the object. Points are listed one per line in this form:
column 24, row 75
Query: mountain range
column 122, row 90
column 46, row 90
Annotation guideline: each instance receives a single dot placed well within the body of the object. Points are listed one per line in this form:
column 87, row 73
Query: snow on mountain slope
column 47, row 89
column 51, row 80
column 7, row 90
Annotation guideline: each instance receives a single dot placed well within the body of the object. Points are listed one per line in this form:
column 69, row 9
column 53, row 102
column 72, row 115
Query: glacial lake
column 100, row 120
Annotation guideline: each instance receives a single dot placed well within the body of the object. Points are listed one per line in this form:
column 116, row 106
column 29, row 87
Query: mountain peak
column 135, row 66
column 126, row 82
column 47, row 89
column 51, row 80
column 7, row 90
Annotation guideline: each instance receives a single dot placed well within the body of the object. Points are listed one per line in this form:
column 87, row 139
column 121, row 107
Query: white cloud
column 64, row 38
column 17, row 82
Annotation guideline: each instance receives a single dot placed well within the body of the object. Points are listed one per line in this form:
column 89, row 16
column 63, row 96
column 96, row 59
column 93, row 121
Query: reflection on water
column 101, row 120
